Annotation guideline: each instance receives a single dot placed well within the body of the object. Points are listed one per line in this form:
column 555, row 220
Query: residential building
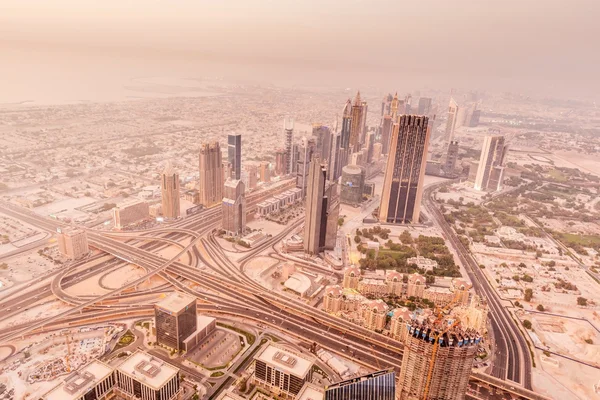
column 129, row 212
column 234, row 207
column 169, row 189
column 398, row 323
column 403, row 182
column 72, row 242
column 288, row 126
column 332, row 299
column 415, row 286
column 193, row 196
column 351, row 277
column 453, row 111
column 373, row 314
column 305, row 154
column 211, row 174
column 386, row 133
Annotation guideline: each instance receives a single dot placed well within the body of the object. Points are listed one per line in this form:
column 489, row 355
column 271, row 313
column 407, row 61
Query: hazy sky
column 545, row 46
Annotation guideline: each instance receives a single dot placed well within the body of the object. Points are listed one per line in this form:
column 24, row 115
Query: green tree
column 357, row 239
column 527, row 324
column 528, row 294
column 540, row 307
column 581, row 301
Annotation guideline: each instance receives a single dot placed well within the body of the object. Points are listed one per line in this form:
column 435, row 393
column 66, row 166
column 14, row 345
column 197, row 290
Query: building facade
column 352, row 185
column 211, row 174
column 234, row 155
column 490, row 170
column 379, row 385
column 175, row 320
column 453, row 111
column 234, row 207
column 316, row 207
column 144, row 377
column 288, row 126
column 72, row 242
column 169, row 190
column 451, row 157
column 403, row 182
column 130, row 212
column 265, row 172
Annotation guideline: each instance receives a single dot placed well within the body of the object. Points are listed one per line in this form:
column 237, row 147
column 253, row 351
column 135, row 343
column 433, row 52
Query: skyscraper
column 288, row 126
column 322, row 136
column 333, row 171
column 280, row 162
column 370, row 141
column 386, row 133
column 234, row 154
column 175, row 320
column 211, row 174
column 249, row 176
column 265, row 171
column 317, row 208
column 386, row 105
column 356, row 126
column 72, row 242
column 403, row 184
column 363, row 129
column 305, row 153
column 437, row 361
column 234, row 207
column 346, row 125
column 490, row 171
column 169, row 190
column 379, row 385
column 353, row 182
column 453, row 111
column 451, row 157
column 424, row 106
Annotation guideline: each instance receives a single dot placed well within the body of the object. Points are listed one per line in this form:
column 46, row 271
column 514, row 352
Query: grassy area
column 125, row 340
column 249, row 337
column 217, row 374
column 558, row 175
column 582, row 240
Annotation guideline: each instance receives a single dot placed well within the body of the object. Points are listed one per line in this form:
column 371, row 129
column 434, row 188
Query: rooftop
column 285, row 360
column 176, row 302
column 79, row 382
column 298, row 282
column 311, row 392
column 148, row 370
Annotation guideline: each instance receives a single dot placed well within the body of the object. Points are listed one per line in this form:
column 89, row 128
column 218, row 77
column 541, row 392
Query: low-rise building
column 95, row 381
column 145, row 377
column 72, row 242
column 423, row 263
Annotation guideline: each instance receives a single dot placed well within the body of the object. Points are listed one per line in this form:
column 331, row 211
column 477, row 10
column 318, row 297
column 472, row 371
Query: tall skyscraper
column 379, row 385
column 424, row 106
column 437, row 368
column 353, row 182
column 356, row 126
column 234, row 207
column 370, row 141
column 451, row 157
column 403, row 184
column 453, row 111
column 332, row 171
column 386, row 133
column 249, row 176
column 490, row 171
column 288, row 126
column 280, row 162
column 322, row 136
column 305, row 153
column 346, row 125
column 211, row 174
column 234, row 154
column 169, row 190
column 265, row 171
column 316, row 207
column 386, row 105
column 363, row 129
column 175, row 320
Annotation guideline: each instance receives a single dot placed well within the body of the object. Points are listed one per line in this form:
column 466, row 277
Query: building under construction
column 437, row 360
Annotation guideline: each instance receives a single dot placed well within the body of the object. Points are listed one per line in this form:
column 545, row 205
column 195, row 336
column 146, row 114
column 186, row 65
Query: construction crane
column 436, row 344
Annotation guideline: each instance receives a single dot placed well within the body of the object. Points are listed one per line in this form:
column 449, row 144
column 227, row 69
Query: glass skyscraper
column 379, row 385
column 234, row 155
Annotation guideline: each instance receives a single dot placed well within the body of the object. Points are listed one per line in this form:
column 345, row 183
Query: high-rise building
column 144, row 377
column 386, row 133
column 403, row 184
column 72, row 242
column 408, row 104
column 322, row 136
column 363, row 129
column 234, row 207
column 282, row 371
column 265, row 171
column 331, row 204
column 437, row 361
column 474, row 120
column 234, row 155
column 175, row 320
column 451, row 157
column 211, row 174
column 333, row 170
column 169, row 189
column 490, row 171
column 129, row 212
column 379, row 385
column 353, row 182
column 288, row 126
column 280, row 162
column 346, row 125
column 424, row 106
column 357, row 123
column 251, row 172
column 377, row 151
column 370, row 141
column 453, row 111
column 305, row 153
column 386, row 105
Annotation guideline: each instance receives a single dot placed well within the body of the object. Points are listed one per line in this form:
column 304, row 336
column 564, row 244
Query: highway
column 512, row 358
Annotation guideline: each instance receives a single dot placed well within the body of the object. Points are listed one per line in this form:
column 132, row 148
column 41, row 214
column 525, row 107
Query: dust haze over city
column 299, row 200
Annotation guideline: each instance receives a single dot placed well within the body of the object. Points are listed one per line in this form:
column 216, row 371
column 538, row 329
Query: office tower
column 334, row 170
column 437, row 361
column 175, row 320
column 234, row 155
column 169, row 189
column 316, row 208
column 353, row 182
column 331, row 205
column 451, row 157
column 280, row 162
column 424, row 106
column 453, row 111
column 408, row 104
column 281, row 371
column 386, row 133
column 490, row 170
column 306, row 152
column 234, row 207
column 144, row 377
column 474, row 120
column 93, row 381
column 395, row 107
column 377, row 152
column 346, row 125
column 129, row 212
column 265, row 171
column 379, row 385
column 356, row 125
column 370, row 141
column 288, row 126
column 363, row 129
column 322, row 136
column 211, row 174
column 72, row 242
column 403, row 184
column 386, row 105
